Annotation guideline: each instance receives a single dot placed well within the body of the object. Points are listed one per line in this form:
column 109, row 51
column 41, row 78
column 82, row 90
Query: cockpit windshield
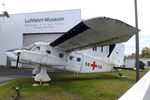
column 29, row 47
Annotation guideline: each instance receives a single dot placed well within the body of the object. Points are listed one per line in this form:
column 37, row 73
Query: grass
column 99, row 86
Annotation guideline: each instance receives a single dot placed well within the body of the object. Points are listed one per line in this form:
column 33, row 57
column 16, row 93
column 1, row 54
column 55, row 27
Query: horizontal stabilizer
column 95, row 32
column 123, row 68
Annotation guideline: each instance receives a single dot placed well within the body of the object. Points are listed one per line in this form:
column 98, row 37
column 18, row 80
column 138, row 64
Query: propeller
column 17, row 61
column 14, row 54
column 17, row 53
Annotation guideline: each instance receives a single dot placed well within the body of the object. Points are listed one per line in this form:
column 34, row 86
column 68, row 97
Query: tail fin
column 116, row 54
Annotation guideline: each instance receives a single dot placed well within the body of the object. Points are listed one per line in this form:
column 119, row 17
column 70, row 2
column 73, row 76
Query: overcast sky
column 118, row 9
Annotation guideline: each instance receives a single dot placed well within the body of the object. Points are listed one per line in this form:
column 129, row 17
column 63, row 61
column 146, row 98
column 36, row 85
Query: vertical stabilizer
column 116, row 56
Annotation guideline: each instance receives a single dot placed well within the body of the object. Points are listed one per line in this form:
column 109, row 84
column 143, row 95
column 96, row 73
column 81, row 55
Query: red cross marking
column 93, row 65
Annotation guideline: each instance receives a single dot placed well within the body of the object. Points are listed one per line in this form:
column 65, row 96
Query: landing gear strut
column 120, row 75
column 35, row 71
column 42, row 76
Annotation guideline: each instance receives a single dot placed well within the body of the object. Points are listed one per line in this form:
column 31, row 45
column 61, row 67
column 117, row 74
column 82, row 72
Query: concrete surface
column 8, row 74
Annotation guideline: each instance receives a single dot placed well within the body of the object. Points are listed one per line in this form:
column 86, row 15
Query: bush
column 141, row 65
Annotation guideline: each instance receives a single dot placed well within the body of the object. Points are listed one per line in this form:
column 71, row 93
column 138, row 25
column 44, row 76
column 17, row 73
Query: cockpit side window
column 30, row 47
column 36, row 48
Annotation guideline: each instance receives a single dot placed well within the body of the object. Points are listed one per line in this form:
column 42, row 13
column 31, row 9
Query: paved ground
column 8, row 74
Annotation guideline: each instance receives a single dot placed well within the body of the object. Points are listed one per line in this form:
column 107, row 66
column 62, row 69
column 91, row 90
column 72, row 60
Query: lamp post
column 137, row 42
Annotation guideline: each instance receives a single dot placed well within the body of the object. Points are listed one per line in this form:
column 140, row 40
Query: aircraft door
column 75, row 62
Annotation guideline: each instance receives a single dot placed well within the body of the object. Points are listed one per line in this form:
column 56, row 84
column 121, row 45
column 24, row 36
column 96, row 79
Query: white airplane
column 66, row 52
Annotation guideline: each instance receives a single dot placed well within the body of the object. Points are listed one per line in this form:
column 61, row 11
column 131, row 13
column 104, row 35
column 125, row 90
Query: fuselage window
column 78, row 59
column 61, row 55
column 95, row 49
column 87, row 64
column 71, row 57
column 101, row 49
column 48, row 51
column 148, row 63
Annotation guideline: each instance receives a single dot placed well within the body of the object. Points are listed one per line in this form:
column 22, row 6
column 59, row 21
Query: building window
column 71, row 57
column 148, row 63
column 61, row 55
column 78, row 59
column 48, row 51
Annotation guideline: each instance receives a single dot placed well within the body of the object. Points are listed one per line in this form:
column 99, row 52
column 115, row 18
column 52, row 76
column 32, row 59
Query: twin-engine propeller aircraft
column 89, row 47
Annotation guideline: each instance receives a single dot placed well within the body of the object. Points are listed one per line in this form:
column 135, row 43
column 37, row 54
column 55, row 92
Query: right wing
column 95, row 32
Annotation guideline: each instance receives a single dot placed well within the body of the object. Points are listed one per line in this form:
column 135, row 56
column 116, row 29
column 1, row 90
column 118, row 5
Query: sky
column 118, row 9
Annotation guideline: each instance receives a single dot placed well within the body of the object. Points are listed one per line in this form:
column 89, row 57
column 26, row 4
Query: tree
column 145, row 52
column 130, row 56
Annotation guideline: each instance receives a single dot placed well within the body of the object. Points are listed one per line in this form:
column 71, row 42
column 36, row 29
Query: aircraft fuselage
column 44, row 55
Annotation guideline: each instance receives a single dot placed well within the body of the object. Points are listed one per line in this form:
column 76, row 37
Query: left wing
column 95, row 32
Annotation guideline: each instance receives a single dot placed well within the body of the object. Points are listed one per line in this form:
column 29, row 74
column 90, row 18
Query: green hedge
column 142, row 65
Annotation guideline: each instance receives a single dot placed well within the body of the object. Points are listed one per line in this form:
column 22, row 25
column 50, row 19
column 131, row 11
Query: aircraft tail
column 116, row 54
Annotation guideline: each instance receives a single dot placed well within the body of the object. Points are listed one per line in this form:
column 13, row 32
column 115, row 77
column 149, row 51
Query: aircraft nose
column 11, row 55
column 16, row 52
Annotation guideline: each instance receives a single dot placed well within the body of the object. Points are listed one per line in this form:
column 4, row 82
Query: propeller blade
column 17, row 52
column 17, row 61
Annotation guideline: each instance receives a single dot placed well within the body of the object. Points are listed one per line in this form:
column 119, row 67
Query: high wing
column 95, row 32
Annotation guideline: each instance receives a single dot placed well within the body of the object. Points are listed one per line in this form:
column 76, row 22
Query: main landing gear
column 41, row 76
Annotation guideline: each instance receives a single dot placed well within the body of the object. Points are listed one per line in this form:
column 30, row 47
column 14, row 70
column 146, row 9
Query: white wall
column 12, row 29
column 130, row 63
